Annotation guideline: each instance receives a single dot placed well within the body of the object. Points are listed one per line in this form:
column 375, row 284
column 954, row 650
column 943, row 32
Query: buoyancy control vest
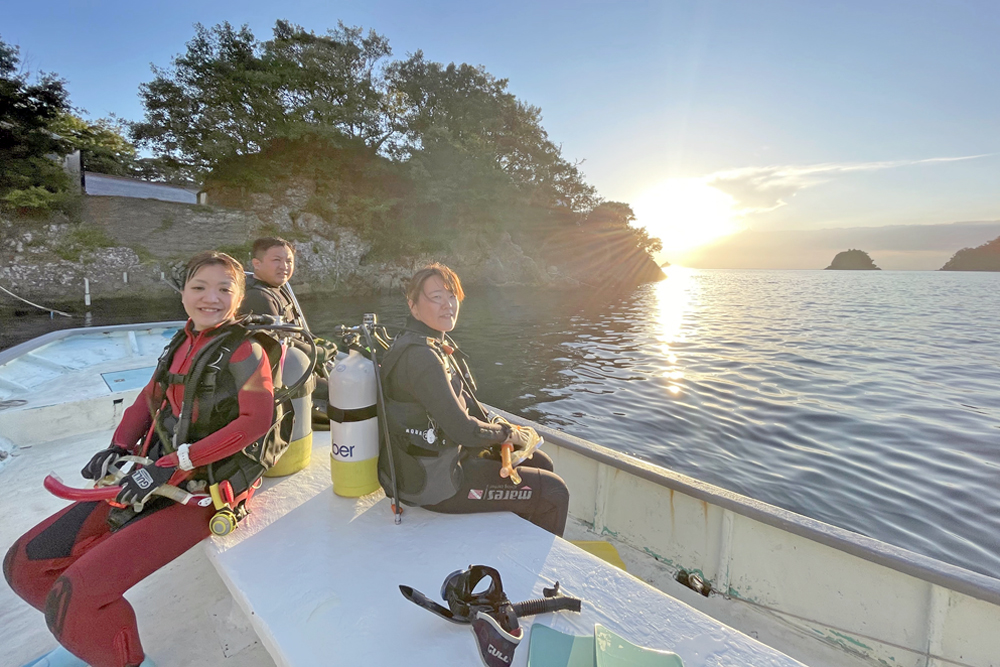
column 286, row 304
column 209, row 382
column 428, row 467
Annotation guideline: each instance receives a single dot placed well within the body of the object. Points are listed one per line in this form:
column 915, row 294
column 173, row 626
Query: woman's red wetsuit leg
column 77, row 571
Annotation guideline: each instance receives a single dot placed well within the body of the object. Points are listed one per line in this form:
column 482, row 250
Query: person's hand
column 100, row 462
column 139, row 484
column 521, row 437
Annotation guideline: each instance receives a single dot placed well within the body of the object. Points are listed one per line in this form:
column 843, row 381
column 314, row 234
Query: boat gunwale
column 925, row 568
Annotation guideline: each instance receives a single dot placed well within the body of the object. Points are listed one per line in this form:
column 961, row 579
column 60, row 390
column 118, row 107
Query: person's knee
column 57, row 605
column 541, row 461
column 8, row 565
column 557, row 491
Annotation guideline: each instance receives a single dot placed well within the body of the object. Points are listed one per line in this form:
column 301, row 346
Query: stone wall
column 168, row 230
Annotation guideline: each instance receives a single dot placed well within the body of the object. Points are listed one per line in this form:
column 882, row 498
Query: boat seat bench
column 319, row 575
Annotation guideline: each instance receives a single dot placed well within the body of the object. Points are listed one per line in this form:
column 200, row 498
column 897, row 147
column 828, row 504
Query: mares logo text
column 504, row 493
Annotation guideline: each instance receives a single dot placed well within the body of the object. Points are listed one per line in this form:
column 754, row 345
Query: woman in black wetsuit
column 445, row 449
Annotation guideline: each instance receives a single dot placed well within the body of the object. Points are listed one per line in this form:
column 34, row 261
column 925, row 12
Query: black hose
column 545, row 605
column 397, row 510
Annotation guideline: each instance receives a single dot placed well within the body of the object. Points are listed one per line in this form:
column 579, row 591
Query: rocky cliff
column 124, row 247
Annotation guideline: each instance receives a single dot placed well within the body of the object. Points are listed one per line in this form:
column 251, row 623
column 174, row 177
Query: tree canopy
column 38, row 127
column 432, row 147
column 231, row 94
column 28, row 106
column 103, row 142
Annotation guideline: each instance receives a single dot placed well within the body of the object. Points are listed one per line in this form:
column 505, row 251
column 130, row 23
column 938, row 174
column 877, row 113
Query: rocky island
column 981, row 258
column 852, row 260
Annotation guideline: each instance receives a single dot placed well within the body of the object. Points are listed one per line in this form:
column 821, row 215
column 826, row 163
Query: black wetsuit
column 265, row 299
column 445, row 449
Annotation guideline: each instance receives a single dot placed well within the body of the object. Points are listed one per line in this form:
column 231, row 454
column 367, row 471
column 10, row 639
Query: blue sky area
column 713, row 116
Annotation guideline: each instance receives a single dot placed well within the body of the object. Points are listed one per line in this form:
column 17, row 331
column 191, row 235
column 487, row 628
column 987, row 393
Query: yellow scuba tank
column 353, row 425
column 295, row 364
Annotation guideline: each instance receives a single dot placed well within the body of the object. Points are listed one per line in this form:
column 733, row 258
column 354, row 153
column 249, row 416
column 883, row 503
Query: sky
column 718, row 121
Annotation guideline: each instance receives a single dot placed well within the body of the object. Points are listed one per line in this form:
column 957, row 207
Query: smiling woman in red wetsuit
column 76, row 564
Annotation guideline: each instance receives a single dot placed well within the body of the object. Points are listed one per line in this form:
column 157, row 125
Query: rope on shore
column 49, row 310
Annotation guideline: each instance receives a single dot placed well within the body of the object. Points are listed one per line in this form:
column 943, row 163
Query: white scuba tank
column 353, row 425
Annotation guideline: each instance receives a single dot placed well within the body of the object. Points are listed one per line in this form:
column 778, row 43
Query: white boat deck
column 319, row 575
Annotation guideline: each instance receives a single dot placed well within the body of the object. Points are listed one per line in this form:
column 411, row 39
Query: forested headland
column 985, row 257
column 333, row 134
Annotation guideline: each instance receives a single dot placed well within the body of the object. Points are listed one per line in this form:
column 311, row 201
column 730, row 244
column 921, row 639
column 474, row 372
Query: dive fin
column 421, row 600
column 496, row 645
column 614, row 651
column 551, row 648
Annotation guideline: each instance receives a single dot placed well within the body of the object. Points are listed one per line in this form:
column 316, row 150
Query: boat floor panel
column 319, row 576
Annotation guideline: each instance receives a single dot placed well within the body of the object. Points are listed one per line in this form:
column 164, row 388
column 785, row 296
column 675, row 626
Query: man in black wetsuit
column 267, row 293
column 273, row 261
column 445, row 448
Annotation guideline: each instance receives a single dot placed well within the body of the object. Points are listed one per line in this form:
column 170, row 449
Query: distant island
column 852, row 260
column 981, row 258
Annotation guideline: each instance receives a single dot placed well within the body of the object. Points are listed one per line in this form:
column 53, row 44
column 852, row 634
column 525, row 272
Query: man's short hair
column 262, row 245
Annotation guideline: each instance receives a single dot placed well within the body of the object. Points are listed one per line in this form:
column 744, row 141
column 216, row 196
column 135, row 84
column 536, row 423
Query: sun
column 685, row 213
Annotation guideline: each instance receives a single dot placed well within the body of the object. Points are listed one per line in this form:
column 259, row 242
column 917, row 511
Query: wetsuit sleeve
column 138, row 417
column 252, row 374
column 422, row 376
column 260, row 302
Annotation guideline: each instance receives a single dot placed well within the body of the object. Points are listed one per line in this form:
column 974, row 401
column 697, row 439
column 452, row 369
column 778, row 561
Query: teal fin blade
column 551, row 648
column 614, row 651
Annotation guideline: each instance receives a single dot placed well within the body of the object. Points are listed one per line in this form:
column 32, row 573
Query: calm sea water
column 869, row 400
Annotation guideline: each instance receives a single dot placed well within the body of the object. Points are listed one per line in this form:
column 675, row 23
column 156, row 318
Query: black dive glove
column 139, row 484
column 99, row 463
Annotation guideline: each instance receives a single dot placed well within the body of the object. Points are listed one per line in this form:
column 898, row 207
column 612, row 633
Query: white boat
column 783, row 588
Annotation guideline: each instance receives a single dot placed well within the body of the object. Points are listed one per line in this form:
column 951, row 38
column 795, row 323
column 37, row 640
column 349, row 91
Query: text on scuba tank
column 346, row 451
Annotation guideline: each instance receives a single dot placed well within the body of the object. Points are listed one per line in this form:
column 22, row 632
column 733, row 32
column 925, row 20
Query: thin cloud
column 760, row 189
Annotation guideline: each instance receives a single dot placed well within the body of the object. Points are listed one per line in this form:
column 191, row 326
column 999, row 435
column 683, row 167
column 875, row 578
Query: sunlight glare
column 685, row 213
column 672, row 298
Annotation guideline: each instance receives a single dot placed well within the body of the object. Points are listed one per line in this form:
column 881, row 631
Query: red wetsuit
column 72, row 567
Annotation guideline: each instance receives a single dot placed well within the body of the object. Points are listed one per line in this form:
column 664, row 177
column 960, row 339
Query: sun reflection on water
column 673, row 299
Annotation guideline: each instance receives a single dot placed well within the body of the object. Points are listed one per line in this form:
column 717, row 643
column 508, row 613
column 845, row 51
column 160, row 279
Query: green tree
column 616, row 218
column 102, row 142
column 229, row 94
column 333, row 85
column 219, row 99
column 29, row 150
column 467, row 111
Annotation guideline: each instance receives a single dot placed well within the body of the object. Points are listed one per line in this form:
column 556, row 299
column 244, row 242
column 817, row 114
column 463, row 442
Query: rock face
column 122, row 246
column 852, row 260
column 981, row 258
